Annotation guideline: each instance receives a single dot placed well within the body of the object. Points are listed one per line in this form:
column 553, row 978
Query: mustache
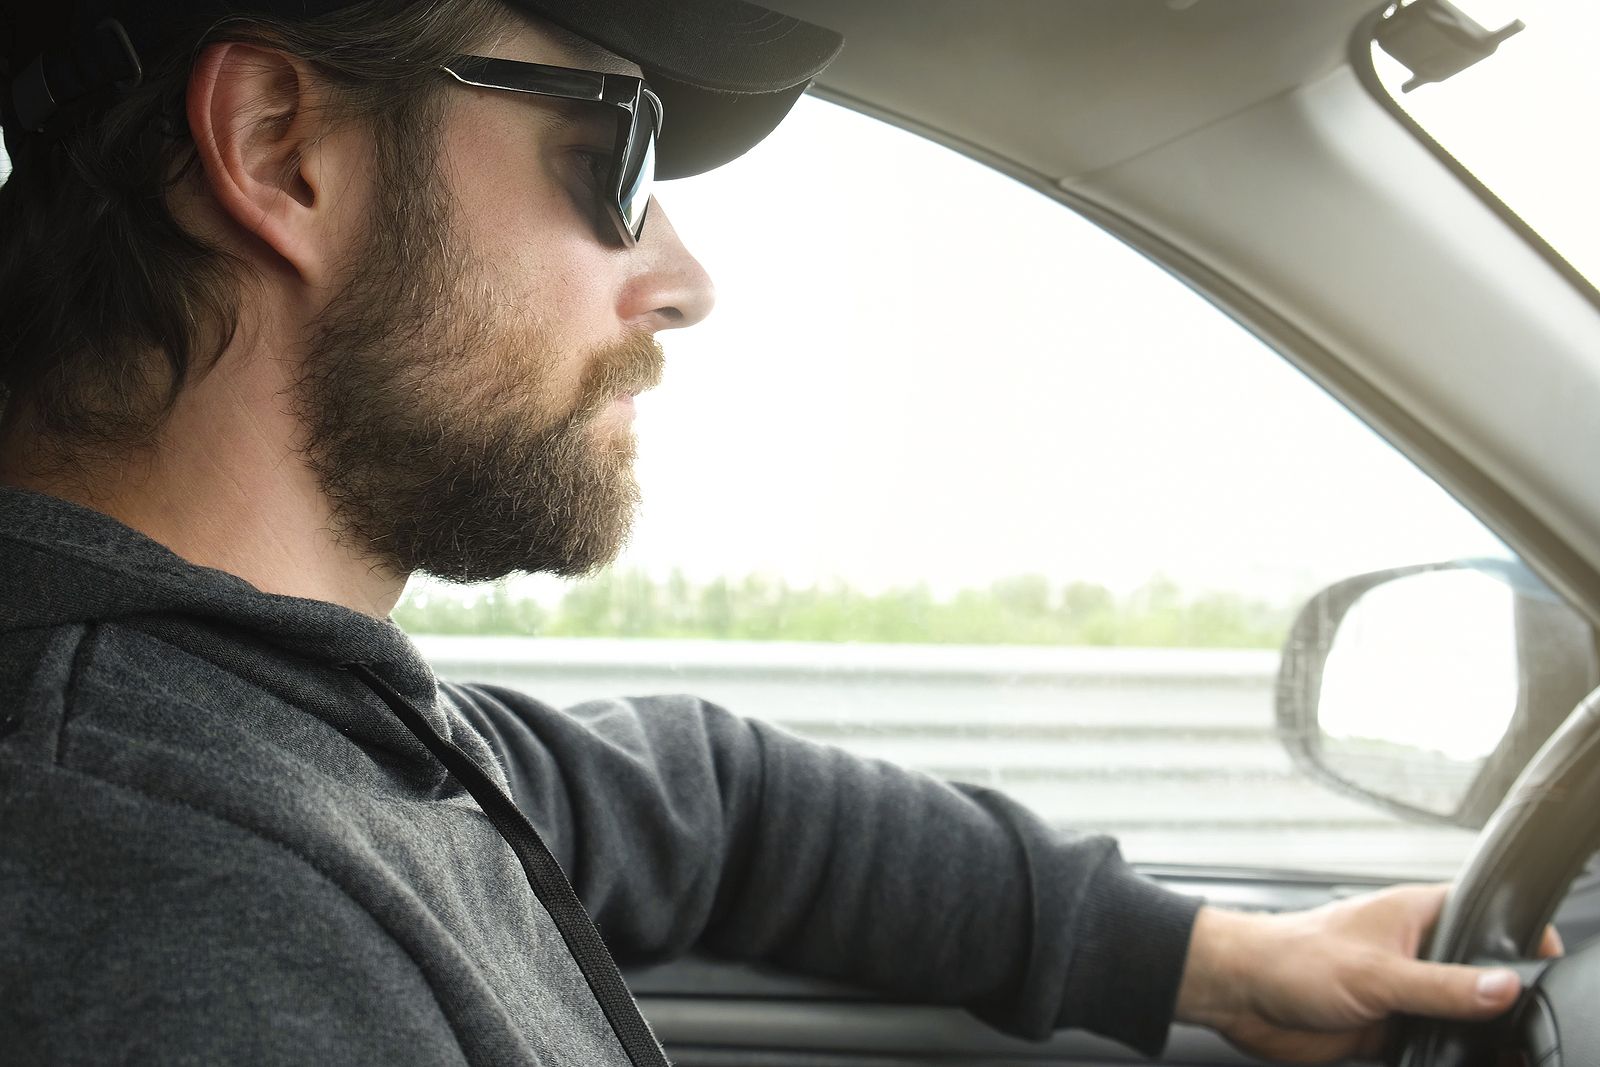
column 631, row 365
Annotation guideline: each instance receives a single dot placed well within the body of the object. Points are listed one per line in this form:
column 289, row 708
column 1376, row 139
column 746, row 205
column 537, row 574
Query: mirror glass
column 1420, row 686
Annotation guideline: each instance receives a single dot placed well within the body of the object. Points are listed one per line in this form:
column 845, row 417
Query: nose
column 668, row 288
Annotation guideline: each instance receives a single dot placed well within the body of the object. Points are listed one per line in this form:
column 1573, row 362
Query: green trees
column 1024, row 610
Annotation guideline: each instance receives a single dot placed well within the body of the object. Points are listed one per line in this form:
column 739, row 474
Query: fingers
column 1451, row 991
column 1426, row 901
column 1425, row 897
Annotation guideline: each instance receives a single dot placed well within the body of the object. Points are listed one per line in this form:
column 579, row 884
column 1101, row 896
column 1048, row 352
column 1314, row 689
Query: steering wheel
column 1522, row 866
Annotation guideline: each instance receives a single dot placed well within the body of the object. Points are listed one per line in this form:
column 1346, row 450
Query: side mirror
column 1425, row 690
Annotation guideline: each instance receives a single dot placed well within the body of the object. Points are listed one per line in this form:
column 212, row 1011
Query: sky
column 957, row 379
column 919, row 371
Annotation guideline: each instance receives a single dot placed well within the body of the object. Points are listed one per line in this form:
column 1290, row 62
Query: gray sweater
column 217, row 846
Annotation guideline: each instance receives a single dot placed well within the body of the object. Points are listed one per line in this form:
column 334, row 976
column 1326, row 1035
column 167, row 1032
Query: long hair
column 108, row 305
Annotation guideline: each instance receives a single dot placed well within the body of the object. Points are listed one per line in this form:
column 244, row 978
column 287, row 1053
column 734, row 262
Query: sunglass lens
column 639, row 170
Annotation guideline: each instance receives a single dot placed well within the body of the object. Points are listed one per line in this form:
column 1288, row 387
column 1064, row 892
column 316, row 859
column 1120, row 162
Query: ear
column 258, row 133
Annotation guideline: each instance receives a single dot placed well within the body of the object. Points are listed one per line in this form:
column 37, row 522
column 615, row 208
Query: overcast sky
column 955, row 379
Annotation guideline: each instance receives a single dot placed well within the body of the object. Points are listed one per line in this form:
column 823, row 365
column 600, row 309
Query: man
column 298, row 304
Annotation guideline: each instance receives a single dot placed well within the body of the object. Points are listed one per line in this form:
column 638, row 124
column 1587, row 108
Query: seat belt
column 549, row 881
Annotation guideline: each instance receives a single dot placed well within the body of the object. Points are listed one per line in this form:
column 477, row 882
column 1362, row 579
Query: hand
column 1317, row 986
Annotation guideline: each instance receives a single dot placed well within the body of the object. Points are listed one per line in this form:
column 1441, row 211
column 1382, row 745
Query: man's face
column 467, row 394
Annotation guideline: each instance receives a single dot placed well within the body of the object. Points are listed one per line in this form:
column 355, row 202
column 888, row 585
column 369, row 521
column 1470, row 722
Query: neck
column 225, row 486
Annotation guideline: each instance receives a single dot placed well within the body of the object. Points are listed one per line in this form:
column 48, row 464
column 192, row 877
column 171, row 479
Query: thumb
column 1452, row 990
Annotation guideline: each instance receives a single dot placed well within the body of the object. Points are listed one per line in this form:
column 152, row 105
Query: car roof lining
column 1196, row 63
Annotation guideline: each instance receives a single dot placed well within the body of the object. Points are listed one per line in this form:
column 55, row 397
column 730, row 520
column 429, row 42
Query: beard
column 434, row 421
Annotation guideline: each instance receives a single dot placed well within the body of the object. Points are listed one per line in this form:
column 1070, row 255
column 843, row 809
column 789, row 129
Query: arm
column 699, row 826
column 681, row 824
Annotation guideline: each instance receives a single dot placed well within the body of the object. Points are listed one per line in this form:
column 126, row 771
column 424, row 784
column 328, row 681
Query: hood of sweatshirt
column 64, row 564
column 67, row 566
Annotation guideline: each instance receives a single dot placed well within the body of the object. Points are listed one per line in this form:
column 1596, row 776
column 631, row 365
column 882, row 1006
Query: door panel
column 711, row 1013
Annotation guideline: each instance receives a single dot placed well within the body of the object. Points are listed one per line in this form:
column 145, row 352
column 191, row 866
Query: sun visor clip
column 1437, row 40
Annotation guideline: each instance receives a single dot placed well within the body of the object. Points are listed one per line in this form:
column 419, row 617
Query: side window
column 954, row 478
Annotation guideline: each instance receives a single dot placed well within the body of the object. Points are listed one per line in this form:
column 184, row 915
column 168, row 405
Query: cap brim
column 706, row 129
column 727, row 72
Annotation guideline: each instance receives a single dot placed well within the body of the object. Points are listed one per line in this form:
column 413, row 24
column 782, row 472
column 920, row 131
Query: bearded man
column 298, row 299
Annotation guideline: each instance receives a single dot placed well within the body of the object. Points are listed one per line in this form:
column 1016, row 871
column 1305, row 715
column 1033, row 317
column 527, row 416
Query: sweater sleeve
column 682, row 825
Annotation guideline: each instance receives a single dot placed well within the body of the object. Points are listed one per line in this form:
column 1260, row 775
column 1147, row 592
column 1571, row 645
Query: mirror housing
column 1557, row 660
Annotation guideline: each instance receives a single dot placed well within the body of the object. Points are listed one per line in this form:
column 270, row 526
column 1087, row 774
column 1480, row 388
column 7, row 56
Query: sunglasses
column 626, row 189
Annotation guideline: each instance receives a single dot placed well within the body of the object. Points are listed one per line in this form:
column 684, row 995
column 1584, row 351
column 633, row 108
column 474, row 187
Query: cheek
column 550, row 286
column 542, row 305
column 559, row 282
column 538, row 250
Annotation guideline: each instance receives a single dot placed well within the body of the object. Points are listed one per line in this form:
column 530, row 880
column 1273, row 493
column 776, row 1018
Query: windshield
column 1522, row 120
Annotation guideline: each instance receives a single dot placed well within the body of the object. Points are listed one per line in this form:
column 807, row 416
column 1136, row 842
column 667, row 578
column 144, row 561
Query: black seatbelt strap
column 545, row 875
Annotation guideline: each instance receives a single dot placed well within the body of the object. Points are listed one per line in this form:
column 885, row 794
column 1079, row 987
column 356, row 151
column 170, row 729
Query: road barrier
column 1170, row 750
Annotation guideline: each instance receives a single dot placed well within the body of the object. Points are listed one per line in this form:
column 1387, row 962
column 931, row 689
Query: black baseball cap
column 726, row 71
